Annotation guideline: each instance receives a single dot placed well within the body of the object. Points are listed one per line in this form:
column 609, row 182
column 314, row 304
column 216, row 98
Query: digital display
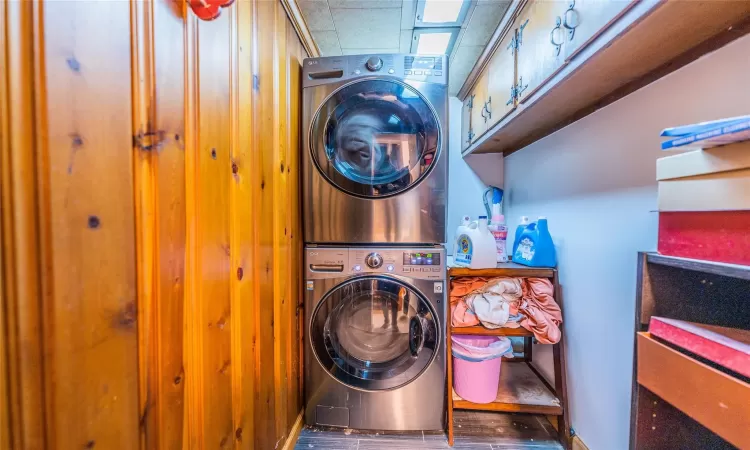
column 421, row 259
column 423, row 63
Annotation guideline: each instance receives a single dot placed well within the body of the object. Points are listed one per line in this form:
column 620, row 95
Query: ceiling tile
column 462, row 63
column 368, row 51
column 406, row 39
column 328, row 42
column 484, row 22
column 368, row 28
column 317, row 15
column 408, row 11
column 364, row 4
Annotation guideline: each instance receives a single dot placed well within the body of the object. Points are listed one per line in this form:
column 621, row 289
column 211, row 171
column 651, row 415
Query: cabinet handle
column 471, row 102
column 571, row 19
column 512, row 96
column 487, row 107
column 520, row 87
column 555, row 32
column 520, row 33
column 471, row 136
column 484, row 108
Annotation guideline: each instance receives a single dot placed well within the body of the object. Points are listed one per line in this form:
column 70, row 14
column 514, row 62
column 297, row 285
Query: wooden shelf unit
column 521, row 388
column 703, row 406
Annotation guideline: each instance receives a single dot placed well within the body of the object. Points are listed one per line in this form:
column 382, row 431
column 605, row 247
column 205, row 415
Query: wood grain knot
column 177, row 137
column 127, row 317
column 235, row 169
column 90, row 444
column 282, row 167
column 213, row 153
column 76, row 140
column 224, row 367
column 177, row 380
column 94, row 222
column 238, row 434
column 74, row 65
column 240, row 273
column 224, row 441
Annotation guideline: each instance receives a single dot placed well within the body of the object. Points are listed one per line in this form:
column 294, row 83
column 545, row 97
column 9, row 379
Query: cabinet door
column 501, row 79
column 584, row 20
column 541, row 39
column 466, row 122
column 479, row 116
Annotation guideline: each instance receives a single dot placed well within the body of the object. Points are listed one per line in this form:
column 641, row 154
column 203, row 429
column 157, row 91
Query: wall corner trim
column 291, row 441
column 578, row 444
column 300, row 26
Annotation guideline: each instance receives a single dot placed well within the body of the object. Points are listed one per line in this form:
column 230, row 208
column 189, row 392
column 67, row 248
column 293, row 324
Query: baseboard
column 294, row 432
column 578, row 444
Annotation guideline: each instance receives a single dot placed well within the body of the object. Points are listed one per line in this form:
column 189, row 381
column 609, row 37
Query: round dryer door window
column 374, row 333
column 375, row 138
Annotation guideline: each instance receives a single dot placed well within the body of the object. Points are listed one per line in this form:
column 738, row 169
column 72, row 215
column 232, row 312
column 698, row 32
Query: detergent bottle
column 519, row 230
column 465, row 221
column 535, row 246
column 476, row 246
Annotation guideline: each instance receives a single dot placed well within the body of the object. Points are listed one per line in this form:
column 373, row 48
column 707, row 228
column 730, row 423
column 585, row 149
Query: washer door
column 375, row 138
column 374, row 333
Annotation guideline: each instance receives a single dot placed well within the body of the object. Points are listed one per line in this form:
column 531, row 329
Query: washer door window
column 374, row 333
column 375, row 138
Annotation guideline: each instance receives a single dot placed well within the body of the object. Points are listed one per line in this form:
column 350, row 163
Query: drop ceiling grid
column 359, row 26
column 351, row 27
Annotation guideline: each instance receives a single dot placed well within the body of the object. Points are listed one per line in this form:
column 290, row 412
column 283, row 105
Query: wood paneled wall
column 151, row 241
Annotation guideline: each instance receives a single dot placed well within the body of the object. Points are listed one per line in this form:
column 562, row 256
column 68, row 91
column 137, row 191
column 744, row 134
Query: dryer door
column 374, row 333
column 375, row 138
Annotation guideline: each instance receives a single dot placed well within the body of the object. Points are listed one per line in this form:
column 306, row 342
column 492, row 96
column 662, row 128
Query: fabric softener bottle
column 535, row 247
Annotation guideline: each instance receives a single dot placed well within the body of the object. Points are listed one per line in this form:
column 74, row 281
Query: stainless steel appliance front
column 375, row 149
column 374, row 346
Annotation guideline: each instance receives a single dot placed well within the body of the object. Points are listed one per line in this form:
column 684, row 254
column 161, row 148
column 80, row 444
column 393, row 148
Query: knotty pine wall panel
column 151, row 241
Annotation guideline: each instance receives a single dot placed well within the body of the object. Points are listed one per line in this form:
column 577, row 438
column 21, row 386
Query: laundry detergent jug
column 461, row 229
column 535, row 246
column 475, row 247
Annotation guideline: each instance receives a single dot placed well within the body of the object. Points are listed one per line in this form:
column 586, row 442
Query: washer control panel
column 423, row 263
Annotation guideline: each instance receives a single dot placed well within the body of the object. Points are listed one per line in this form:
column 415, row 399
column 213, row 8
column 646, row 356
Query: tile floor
column 474, row 430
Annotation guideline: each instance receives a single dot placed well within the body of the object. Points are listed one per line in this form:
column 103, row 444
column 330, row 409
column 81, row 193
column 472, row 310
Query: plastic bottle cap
column 482, row 217
column 542, row 218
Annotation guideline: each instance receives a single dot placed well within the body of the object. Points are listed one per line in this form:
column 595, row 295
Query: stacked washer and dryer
column 374, row 200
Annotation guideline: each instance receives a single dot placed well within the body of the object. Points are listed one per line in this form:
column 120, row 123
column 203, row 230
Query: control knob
column 374, row 260
column 374, row 64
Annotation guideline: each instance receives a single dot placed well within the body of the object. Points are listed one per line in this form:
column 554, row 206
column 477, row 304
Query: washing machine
column 375, row 149
column 374, row 346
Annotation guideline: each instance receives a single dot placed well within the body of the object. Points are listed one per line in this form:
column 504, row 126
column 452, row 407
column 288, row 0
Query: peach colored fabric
column 542, row 314
column 461, row 315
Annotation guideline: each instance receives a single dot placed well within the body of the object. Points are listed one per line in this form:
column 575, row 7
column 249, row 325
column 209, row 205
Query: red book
column 721, row 236
column 727, row 347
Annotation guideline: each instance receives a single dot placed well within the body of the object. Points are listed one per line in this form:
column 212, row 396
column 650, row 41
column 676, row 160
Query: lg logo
column 313, row 253
column 311, row 63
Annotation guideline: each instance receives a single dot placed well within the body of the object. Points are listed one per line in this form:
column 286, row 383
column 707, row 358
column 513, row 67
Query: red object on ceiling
column 208, row 9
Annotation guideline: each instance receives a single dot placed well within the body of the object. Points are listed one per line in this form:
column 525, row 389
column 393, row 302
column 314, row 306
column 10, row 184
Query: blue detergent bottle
column 535, row 246
column 519, row 231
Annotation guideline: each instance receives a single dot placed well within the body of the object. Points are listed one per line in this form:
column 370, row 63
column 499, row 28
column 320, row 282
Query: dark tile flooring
column 474, row 430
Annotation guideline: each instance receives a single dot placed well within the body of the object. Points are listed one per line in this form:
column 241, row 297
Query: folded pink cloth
column 542, row 314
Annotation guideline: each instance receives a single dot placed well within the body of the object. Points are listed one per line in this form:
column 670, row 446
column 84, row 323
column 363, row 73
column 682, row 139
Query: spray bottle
column 498, row 228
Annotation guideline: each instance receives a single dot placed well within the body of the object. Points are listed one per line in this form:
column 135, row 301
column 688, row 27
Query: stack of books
column 704, row 194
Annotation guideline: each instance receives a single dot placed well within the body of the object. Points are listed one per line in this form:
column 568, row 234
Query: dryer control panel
column 325, row 70
column 421, row 263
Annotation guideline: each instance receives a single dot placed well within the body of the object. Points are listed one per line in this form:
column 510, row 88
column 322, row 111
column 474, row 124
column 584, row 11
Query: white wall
column 595, row 181
column 467, row 178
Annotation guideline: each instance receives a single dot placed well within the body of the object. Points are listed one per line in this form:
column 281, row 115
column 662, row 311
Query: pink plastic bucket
column 476, row 381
